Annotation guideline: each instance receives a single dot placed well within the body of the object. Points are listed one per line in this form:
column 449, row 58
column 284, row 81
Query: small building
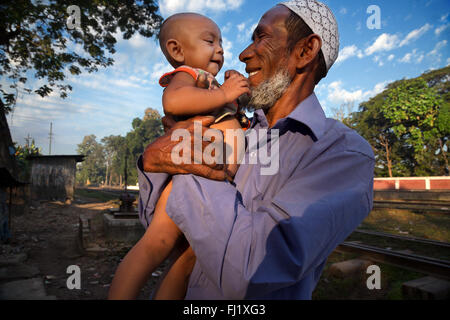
column 53, row 177
column 9, row 179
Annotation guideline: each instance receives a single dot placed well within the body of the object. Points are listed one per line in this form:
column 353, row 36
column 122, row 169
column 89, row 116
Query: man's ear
column 306, row 50
column 175, row 50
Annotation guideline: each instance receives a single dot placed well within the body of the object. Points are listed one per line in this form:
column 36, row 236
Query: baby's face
column 202, row 45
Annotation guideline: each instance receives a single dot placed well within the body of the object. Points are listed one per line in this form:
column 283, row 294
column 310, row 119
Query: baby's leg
column 149, row 252
column 162, row 233
column 234, row 141
column 175, row 283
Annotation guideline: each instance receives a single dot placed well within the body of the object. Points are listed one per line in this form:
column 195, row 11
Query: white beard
column 268, row 92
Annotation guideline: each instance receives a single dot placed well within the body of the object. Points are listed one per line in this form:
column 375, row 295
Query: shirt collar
column 308, row 112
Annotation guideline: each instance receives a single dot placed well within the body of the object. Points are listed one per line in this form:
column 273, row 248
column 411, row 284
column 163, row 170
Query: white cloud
column 245, row 34
column 159, row 69
column 415, row 34
column 228, row 55
column 406, row 58
column 391, row 57
column 444, row 17
column 169, row 7
column 377, row 59
column 388, row 42
column 412, row 56
column 227, row 27
column 439, row 30
column 343, row 11
column 437, row 47
column 338, row 95
column 348, row 52
column 384, row 42
column 420, row 58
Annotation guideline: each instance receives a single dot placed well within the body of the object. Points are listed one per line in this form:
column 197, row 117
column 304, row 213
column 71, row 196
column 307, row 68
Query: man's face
column 268, row 52
column 202, row 45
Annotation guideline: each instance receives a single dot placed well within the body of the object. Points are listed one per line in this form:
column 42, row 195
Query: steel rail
column 427, row 265
column 405, row 238
column 411, row 206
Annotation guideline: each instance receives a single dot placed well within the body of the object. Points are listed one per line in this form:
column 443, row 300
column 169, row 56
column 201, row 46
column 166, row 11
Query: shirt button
column 253, row 154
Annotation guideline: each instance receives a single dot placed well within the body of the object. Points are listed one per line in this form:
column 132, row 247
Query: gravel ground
column 48, row 234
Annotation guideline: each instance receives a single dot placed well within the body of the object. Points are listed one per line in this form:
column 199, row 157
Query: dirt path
column 48, row 236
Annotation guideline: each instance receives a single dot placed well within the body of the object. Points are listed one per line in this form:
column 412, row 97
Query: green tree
column 115, row 147
column 93, row 168
column 411, row 109
column 407, row 125
column 144, row 131
column 22, row 153
column 35, row 40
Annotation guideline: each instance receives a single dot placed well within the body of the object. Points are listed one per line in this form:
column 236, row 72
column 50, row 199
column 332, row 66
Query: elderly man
column 268, row 236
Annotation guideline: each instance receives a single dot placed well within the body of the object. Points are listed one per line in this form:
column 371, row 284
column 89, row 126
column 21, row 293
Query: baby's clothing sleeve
column 219, row 114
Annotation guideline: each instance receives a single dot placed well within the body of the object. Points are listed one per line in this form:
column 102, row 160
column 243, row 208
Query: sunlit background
column 413, row 38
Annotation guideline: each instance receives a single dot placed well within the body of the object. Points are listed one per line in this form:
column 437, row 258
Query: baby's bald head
column 175, row 27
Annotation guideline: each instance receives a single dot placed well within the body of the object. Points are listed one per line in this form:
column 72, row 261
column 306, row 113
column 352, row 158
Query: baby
column 192, row 44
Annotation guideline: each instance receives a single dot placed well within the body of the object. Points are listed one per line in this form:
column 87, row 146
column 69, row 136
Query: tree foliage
column 21, row 155
column 92, row 169
column 34, row 38
column 110, row 167
column 407, row 125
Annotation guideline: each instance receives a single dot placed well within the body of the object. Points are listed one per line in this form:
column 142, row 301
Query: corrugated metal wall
column 53, row 178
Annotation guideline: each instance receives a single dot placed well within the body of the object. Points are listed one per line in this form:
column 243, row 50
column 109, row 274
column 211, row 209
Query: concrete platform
column 122, row 229
column 349, row 267
column 30, row 289
column 427, row 288
column 19, row 271
column 13, row 259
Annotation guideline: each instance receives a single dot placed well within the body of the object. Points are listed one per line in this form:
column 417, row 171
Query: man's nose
column 246, row 54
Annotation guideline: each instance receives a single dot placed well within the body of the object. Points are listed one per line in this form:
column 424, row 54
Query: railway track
column 428, row 206
column 414, row 262
column 404, row 238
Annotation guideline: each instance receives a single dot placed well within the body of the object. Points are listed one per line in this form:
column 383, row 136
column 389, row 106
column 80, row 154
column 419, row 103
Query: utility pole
column 50, row 135
column 28, row 139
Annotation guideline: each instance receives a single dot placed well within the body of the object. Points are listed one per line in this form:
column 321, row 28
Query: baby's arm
column 183, row 98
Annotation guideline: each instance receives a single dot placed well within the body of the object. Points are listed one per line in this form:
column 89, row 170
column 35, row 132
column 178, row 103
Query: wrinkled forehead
column 274, row 19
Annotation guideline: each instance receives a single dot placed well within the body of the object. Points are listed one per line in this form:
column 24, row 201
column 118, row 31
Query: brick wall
column 412, row 183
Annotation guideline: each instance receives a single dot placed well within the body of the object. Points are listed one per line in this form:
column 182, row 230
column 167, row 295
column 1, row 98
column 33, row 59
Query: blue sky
column 413, row 38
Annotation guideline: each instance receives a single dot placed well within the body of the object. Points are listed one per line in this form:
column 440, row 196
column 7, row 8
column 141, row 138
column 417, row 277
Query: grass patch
column 97, row 195
column 409, row 223
column 355, row 288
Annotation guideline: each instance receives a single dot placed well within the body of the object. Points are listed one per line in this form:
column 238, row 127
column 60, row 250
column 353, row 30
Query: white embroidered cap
column 322, row 22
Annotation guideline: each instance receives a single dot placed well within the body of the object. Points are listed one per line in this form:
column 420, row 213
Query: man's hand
column 157, row 156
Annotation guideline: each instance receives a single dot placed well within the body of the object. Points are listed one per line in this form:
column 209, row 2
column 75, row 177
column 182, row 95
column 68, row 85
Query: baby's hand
column 234, row 86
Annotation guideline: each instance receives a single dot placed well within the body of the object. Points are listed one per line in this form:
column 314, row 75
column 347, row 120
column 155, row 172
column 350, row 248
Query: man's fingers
column 205, row 120
column 167, row 122
column 202, row 82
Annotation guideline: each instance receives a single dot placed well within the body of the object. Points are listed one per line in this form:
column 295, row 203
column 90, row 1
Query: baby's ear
column 175, row 50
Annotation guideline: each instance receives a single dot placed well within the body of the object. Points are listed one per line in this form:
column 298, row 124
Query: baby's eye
column 209, row 41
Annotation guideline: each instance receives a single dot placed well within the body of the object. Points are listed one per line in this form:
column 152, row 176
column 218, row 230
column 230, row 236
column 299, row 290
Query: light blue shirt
column 268, row 236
